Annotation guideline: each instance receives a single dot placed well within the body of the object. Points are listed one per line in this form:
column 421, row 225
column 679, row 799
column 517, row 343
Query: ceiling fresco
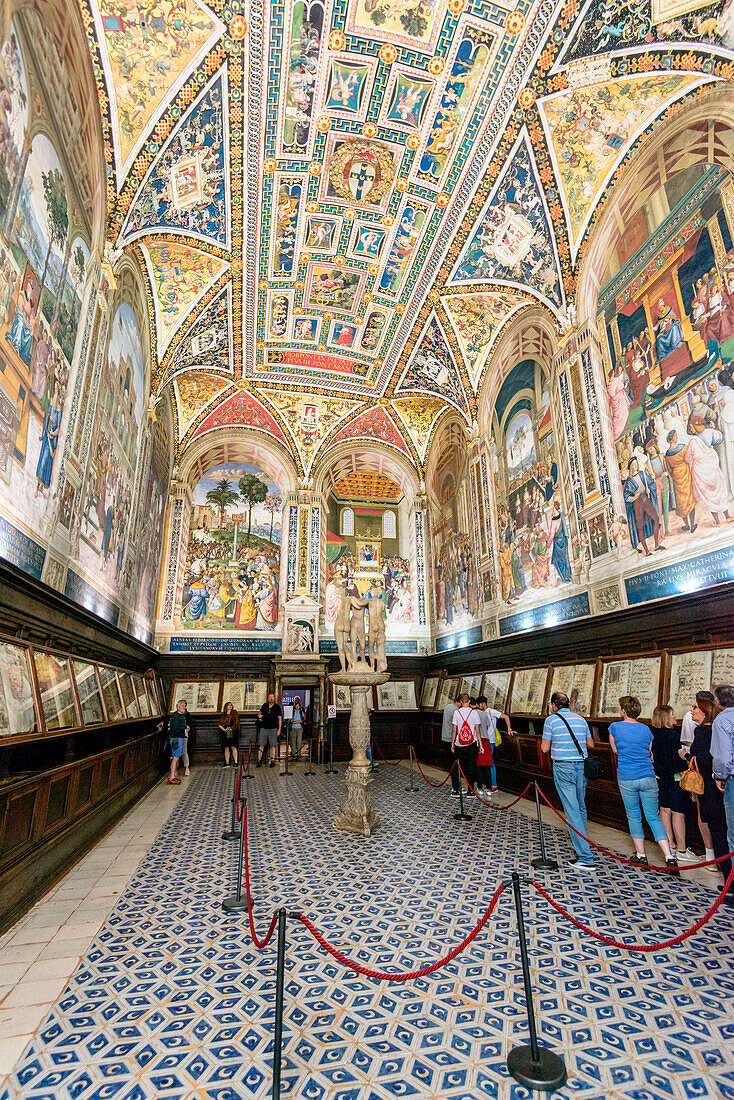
column 339, row 206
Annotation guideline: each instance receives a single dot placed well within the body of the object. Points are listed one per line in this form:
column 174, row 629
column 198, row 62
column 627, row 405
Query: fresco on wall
column 307, row 27
column 151, row 519
column 535, row 553
column 43, row 266
column 669, row 324
column 110, row 483
column 231, row 575
column 456, row 583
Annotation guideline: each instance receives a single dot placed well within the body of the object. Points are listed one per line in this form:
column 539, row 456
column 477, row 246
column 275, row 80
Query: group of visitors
column 470, row 734
column 650, row 765
column 269, row 726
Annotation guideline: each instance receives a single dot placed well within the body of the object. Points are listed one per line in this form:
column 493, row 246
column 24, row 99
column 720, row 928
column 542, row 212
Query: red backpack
column 466, row 734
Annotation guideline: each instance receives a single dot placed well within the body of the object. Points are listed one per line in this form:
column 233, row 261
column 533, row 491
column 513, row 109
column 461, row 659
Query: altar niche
column 367, row 546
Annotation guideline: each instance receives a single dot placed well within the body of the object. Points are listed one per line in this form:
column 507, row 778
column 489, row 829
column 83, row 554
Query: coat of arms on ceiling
column 361, row 172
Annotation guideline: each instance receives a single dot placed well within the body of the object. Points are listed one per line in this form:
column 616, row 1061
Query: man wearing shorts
column 178, row 730
column 271, row 722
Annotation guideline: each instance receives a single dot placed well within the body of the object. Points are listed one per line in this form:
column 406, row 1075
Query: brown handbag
column 692, row 780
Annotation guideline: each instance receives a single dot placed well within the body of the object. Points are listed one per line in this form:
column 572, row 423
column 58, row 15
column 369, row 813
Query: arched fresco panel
column 231, row 573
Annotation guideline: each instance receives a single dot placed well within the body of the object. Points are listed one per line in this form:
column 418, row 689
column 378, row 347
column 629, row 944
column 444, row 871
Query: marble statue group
column 355, row 645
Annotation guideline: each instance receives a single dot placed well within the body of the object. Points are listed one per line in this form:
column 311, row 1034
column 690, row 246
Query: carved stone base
column 355, row 810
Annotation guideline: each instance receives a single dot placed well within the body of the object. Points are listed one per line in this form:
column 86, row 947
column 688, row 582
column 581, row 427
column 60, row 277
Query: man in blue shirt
column 568, row 769
column 722, row 751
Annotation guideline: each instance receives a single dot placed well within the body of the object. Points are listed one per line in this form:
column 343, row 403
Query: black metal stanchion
column 309, row 770
column 412, row 786
column 461, row 816
column 287, row 750
column 238, row 902
column 533, row 1066
column 542, row 862
column 234, row 832
column 331, row 767
column 248, row 773
column 279, row 991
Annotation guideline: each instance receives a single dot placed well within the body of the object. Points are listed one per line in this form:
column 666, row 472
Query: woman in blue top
column 631, row 741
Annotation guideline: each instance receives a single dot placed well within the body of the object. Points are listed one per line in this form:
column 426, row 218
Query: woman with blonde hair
column 631, row 742
column 229, row 728
column 672, row 799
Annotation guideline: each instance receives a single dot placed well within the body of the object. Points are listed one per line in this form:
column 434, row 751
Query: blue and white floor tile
column 173, row 1001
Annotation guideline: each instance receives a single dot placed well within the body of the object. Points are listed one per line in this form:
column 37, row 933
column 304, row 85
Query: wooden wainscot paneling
column 48, row 820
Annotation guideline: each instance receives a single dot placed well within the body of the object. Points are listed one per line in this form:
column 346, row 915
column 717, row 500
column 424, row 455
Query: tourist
column 710, row 804
column 566, row 736
column 465, row 740
column 722, row 751
column 631, row 741
column 488, row 729
column 447, row 737
column 271, row 723
column 296, row 730
column 672, row 800
column 229, row 728
column 178, row 729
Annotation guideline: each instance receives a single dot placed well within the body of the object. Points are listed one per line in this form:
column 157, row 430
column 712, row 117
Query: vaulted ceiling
column 340, row 204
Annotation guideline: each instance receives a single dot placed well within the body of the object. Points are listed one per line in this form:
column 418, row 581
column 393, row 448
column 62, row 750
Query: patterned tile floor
column 173, row 1001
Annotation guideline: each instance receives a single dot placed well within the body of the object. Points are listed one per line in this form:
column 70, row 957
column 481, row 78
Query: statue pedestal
column 356, row 814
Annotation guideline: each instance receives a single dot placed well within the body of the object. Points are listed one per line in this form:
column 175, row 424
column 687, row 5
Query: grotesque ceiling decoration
column 339, row 206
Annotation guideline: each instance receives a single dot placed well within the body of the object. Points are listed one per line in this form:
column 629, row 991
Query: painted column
column 305, row 518
column 422, row 609
column 176, row 542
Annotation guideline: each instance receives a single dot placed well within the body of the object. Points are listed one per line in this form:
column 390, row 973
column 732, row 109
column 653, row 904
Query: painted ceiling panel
column 147, row 54
column 341, row 204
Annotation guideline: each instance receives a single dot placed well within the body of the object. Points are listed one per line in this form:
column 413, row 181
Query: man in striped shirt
column 568, row 769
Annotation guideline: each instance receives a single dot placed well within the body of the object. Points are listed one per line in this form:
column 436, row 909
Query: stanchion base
column 412, row 788
column 230, row 836
column 547, row 1075
column 541, row 864
column 281, row 774
column 462, row 817
column 331, row 771
column 309, row 773
column 248, row 776
column 230, row 905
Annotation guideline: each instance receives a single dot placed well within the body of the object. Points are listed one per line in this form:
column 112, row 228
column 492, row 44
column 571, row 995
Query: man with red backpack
column 465, row 740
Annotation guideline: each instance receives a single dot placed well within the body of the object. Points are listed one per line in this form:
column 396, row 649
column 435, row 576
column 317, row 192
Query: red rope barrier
column 631, row 862
column 392, row 763
column 382, row 975
column 639, row 946
column 274, row 921
column 490, row 804
column 237, row 807
column 428, row 781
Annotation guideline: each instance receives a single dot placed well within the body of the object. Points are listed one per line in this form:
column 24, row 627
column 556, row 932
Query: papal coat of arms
column 361, row 172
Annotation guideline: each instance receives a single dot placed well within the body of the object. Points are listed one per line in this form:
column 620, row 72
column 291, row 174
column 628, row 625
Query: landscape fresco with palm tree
column 232, row 574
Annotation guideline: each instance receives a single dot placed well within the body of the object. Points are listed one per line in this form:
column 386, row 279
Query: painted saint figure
column 668, row 331
column 709, row 487
column 640, row 498
column 558, row 532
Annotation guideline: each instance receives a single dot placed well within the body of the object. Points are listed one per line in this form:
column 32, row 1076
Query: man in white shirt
column 447, row 726
column 465, row 739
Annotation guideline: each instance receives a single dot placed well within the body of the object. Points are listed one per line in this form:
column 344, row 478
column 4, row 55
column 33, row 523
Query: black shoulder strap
column 573, row 735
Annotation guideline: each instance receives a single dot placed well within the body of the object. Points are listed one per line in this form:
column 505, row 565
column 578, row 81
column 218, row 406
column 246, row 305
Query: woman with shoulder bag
column 671, row 798
column 711, row 813
column 631, row 742
column 229, row 728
